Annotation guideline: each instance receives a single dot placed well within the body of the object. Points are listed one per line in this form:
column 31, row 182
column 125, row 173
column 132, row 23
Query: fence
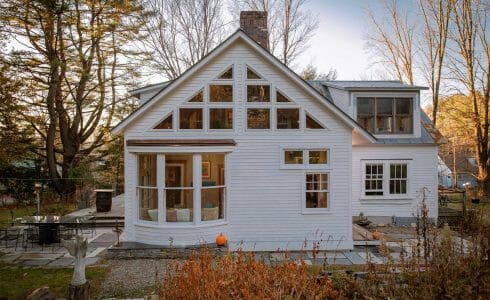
column 20, row 191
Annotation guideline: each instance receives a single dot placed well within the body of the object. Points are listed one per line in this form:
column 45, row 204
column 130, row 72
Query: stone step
column 130, row 250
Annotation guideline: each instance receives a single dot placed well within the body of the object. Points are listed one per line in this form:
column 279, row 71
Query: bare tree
column 470, row 64
column 180, row 33
column 392, row 42
column 290, row 25
column 436, row 15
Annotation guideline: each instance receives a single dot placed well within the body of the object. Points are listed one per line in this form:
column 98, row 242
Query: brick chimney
column 254, row 23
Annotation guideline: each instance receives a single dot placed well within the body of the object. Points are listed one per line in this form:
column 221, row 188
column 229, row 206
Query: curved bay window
column 178, row 188
column 181, row 188
column 213, row 188
column 147, row 187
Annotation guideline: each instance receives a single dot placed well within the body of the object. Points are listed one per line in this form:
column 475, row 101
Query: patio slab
column 39, row 256
column 36, row 263
column 370, row 257
column 62, row 262
column 10, row 257
column 354, row 258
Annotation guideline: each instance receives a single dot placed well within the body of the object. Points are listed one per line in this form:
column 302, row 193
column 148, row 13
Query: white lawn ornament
column 78, row 249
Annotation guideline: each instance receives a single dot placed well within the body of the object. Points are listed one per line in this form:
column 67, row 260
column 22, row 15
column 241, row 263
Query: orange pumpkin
column 376, row 235
column 221, row 240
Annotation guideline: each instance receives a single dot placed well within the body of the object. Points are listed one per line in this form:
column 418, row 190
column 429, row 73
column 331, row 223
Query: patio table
column 49, row 225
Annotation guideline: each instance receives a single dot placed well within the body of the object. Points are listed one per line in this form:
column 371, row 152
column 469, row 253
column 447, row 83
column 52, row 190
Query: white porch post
column 161, row 186
column 197, row 180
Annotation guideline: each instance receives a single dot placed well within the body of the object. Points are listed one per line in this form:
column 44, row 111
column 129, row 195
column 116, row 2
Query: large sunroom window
column 181, row 188
column 178, row 188
column 213, row 188
column 147, row 190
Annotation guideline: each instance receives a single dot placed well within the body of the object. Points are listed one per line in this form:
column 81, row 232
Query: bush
column 240, row 276
column 442, row 266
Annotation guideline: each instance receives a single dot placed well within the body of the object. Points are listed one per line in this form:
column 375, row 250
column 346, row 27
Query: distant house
column 241, row 145
column 445, row 175
column 466, row 170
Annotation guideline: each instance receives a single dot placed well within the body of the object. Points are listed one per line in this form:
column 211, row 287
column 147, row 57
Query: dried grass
column 240, row 276
column 442, row 265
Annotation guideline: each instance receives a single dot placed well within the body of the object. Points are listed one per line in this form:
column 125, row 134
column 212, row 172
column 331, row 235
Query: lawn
column 14, row 281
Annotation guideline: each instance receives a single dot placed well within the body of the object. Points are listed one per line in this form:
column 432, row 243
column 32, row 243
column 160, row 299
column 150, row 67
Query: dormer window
column 386, row 115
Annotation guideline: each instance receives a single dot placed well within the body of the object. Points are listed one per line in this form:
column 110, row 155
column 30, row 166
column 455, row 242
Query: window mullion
column 161, row 188
column 197, row 179
column 386, row 179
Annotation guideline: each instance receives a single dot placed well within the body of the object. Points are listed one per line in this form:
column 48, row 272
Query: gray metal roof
column 321, row 88
column 370, row 85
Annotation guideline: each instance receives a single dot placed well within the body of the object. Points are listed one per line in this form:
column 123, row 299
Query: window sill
column 375, row 198
column 171, row 225
column 305, row 167
column 314, row 211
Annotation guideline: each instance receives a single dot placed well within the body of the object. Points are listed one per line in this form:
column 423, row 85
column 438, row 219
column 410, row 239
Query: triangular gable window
column 252, row 75
column 312, row 123
column 166, row 123
column 228, row 74
column 197, row 97
column 281, row 98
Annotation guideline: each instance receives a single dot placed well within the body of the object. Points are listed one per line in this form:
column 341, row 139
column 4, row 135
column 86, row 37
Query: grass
column 15, row 281
column 22, row 211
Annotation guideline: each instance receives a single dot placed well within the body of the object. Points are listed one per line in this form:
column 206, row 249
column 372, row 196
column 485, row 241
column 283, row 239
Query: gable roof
column 241, row 35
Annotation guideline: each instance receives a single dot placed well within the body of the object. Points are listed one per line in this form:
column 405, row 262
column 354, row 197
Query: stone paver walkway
column 56, row 255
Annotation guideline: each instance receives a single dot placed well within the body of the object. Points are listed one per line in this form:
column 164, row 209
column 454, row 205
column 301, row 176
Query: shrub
column 241, row 276
column 442, row 266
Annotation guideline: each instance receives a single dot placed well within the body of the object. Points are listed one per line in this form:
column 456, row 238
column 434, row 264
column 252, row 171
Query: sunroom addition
column 176, row 188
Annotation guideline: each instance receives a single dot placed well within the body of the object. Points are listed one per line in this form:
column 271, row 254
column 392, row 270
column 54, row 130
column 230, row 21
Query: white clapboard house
column 239, row 144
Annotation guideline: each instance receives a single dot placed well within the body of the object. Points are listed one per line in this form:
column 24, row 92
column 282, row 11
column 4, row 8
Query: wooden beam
column 181, row 143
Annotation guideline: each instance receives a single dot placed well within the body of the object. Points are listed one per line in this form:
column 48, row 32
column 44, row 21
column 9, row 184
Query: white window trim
column 386, row 180
column 313, row 211
column 305, row 112
column 261, row 79
column 137, row 193
column 271, row 117
column 233, row 121
column 294, row 106
column 271, row 88
column 230, row 82
column 223, row 71
column 415, row 111
column 204, row 118
column 197, row 173
column 152, row 127
column 305, row 165
column 291, row 102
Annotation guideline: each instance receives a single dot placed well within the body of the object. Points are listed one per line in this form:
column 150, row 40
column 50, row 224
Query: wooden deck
column 362, row 236
column 449, row 215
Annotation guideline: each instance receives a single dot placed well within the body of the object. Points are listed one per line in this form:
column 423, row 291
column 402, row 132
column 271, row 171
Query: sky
column 339, row 41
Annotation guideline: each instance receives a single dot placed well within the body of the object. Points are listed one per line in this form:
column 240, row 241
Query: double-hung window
column 385, row 179
column 316, row 190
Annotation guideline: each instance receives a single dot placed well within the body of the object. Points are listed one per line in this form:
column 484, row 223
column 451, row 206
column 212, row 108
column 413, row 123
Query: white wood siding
column 422, row 174
column 264, row 202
